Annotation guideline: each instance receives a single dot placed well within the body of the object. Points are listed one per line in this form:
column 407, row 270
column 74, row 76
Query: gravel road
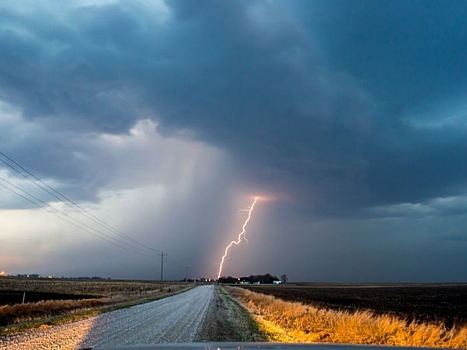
column 179, row 318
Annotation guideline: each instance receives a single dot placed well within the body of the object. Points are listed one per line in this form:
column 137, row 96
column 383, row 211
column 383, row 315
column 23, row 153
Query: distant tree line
column 197, row 280
column 252, row 279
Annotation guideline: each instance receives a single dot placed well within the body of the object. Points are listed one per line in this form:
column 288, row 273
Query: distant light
column 2, row 273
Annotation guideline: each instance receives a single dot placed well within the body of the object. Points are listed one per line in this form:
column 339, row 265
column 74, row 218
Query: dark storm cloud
column 345, row 137
column 68, row 69
column 351, row 115
column 410, row 52
column 311, row 98
column 419, row 165
column 409, row 55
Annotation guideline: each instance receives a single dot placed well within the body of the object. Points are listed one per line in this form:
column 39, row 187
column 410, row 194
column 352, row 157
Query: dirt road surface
column 199, row 314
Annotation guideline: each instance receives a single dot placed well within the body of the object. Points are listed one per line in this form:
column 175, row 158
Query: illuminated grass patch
column 292, row 321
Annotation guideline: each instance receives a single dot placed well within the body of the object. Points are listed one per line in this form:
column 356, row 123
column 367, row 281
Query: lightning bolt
column 239, row 239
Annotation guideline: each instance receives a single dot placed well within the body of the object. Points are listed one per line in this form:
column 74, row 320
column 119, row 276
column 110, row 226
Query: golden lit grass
column 292, row 321
column 47, row 307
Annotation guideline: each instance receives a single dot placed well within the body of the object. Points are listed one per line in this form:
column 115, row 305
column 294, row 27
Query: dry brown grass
column 48, row 306
column 11, row 314
column 112, row 295
column 291, row 321
column 80, row 287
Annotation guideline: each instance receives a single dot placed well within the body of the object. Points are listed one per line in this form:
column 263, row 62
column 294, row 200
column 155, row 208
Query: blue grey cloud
column 347, row 109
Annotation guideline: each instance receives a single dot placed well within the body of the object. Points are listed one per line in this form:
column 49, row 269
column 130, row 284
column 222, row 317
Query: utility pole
column 186, row 274
column 162, row 265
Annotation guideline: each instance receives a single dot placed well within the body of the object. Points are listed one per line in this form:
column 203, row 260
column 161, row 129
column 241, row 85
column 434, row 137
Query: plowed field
column 432, row 303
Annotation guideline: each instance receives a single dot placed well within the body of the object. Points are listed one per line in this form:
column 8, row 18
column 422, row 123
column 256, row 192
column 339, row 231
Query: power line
column 64, row 199
column 68, row 221
column 135, row 246
column 64, row 214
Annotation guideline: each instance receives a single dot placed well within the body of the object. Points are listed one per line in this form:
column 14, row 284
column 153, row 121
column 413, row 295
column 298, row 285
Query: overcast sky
column 164, row 118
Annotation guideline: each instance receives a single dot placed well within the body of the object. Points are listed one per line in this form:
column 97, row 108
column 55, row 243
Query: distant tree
column 263, row 279
column 284, row 278
column 229, row 279
column 253, row 279
column 268, row 279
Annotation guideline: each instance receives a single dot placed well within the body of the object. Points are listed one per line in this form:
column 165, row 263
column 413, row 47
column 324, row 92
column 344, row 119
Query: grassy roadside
column 294, row 322
column 77, row 315
column 240, row 319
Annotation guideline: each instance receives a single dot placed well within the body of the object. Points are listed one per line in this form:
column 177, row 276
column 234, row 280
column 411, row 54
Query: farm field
column 430, row 303
column 94, row 288
column 48, row 298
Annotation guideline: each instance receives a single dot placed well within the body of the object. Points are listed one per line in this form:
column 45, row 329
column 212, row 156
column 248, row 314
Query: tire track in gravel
column 170, row 320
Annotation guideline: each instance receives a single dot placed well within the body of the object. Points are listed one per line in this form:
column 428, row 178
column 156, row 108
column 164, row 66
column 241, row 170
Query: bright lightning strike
column 239, row 239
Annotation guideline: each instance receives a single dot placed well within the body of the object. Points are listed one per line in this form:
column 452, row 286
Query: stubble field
column 429, row 303
column 61, row 300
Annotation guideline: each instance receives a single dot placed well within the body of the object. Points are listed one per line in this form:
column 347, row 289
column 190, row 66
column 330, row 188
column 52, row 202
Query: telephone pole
column 162, row 265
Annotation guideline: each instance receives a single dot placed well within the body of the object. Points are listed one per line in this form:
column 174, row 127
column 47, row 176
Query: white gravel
column 174, row 319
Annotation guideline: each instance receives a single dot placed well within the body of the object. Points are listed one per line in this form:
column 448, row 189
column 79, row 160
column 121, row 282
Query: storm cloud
column 167, row 117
